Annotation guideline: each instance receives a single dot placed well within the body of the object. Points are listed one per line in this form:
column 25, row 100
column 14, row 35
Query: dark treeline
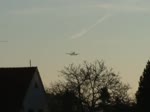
column 143, row 92
column 92, row 87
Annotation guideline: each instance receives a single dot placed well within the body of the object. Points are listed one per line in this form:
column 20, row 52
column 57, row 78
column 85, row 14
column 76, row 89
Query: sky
column 43, row 31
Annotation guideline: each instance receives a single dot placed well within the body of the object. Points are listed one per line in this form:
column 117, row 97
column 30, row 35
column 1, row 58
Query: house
column 21, row 90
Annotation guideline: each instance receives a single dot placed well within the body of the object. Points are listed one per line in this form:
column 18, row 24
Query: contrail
column 86, row 30
column 3, row 41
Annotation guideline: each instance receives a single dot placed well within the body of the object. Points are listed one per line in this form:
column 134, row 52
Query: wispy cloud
column 88, row 29
column 134, row 7
column 29, row 11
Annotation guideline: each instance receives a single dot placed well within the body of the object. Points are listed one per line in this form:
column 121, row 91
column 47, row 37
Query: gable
column 35, row 98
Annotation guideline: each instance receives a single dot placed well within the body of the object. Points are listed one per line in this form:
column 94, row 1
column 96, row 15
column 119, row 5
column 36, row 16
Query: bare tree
column 56, row 88
column 89, row 79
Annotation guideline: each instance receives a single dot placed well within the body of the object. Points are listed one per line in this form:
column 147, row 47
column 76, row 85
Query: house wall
column 35, row 99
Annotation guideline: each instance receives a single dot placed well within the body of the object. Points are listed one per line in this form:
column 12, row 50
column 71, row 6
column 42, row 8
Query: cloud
column 88, row 29
column 126, row 7
column 29, row 11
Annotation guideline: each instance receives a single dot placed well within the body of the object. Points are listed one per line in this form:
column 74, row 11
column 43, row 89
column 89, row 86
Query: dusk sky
column 116, row 31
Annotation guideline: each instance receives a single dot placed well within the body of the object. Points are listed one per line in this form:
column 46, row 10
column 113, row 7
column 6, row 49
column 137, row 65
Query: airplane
column 73, row 54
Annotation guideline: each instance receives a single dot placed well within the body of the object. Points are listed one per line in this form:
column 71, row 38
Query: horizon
column 44, row 31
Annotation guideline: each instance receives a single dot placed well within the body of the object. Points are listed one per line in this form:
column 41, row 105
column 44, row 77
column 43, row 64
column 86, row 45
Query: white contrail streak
column 3, row 41
column 86, row 30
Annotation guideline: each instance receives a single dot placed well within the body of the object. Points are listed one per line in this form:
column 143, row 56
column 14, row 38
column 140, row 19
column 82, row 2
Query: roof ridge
column 17, row 67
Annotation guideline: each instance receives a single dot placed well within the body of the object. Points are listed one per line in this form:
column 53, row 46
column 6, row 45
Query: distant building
column 21, row 90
